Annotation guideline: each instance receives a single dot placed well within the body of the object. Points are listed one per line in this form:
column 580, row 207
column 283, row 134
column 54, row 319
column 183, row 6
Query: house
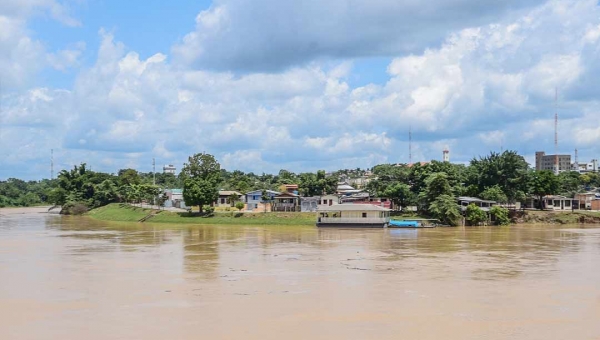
column 253, row 199
column 585, row 199
column 353, row 215
column 309, row 204
column 345, row 189
column 291, row 188
column 286, row 202
column 329, row 200
column 174, row 198
column 224, row 198
column 552, row 202
column 464, row 201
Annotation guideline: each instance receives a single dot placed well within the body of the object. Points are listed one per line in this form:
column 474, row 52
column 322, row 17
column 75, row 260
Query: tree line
column 432, row 187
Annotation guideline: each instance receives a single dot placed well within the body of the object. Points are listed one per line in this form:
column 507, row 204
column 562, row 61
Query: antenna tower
column 556, row 168
column 409, row 144
column 153, row 172
column 51, row 164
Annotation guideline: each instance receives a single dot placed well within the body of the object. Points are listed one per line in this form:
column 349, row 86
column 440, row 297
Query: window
column 222, row 201
column 364, row 215
column 324, row 201
column 255, row 205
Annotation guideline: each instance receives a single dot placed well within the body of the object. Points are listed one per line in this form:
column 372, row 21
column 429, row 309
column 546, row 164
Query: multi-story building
column 169, row 169
column 547, row 162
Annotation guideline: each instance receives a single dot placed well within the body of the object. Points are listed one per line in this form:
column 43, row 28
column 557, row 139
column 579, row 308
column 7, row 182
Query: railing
column 353, row 220
column 285, row 207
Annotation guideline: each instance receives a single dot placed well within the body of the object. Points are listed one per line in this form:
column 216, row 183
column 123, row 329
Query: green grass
column 126, row 213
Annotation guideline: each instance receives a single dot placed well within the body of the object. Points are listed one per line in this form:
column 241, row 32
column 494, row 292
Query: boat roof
column 352, row 207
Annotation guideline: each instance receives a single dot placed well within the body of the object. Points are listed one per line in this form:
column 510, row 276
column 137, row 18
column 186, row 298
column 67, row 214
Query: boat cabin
column 353, row 215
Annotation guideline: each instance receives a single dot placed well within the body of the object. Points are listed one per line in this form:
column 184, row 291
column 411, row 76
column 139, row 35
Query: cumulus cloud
column 21, row 55
column 480, row 89
column 267, row 35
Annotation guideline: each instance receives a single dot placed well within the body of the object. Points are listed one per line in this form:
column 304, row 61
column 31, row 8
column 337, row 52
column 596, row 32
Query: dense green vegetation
column 431, row 187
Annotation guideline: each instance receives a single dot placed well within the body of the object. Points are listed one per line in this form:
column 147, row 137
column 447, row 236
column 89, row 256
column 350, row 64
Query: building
column 484, row 205
column 446, row 155
column 286, row 202
column 254, row 199
column 224, row 198
column 169, row 169
column 585, row 199
column 547, row 162
column 552, row 202
column 291, row 188
column 309, row 204
column 329, row 200
column 585, row 167
column 353, row 215
column 174, row 198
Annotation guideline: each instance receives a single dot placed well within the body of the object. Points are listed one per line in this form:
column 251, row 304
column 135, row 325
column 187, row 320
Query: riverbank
column 127, row 213
column 555, row 217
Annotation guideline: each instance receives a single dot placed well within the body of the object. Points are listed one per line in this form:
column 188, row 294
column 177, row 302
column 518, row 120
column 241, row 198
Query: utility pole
column 153, row 179
column 556, row 166
column 409, row 144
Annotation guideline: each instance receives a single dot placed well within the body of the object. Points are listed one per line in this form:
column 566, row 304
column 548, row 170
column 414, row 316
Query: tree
column 233, row 198
column 201, row 177
column 436, row 185
column 507, row 170
column 265, row 198
column 543, row 183
column 445, row 209
column 500, row 215
column 494, row 193
column 399, row 193
column 474, row 215
column 239, row 205
column 129, row 177
column 570, row 183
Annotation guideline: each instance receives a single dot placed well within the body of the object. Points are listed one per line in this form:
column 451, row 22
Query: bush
column 74, row 208
column 239, row 205
column 474, row 215
column 500, row 215
column 208, row 210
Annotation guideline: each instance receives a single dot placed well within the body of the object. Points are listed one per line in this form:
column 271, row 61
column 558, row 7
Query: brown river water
column 75, row 278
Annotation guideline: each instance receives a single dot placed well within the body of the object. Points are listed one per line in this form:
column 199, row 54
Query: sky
column 300, row 85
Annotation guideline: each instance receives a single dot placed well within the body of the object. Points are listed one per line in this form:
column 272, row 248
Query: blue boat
column 409, row 224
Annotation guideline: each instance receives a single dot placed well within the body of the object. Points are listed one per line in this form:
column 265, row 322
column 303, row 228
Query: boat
column 414, row 223
column 353, row 216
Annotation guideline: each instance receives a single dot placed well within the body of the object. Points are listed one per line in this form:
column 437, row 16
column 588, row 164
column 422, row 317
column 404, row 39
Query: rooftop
column 352, row 207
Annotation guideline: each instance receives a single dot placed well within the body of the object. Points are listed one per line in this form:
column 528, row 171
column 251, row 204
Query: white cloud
column 264, row 35
column 481, row 88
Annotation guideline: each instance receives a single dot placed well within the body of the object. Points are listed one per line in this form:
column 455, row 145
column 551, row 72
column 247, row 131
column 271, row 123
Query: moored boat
column 414, row 223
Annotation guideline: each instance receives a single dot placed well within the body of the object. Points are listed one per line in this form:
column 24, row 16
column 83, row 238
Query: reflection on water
column 71, row 277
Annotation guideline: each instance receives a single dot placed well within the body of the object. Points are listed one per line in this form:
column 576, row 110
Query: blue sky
column 272, row 84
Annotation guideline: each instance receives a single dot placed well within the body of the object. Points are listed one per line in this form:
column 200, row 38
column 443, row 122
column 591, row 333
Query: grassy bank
column 127, row 213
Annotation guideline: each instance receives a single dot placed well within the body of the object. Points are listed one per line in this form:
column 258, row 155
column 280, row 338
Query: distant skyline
column 279, row 84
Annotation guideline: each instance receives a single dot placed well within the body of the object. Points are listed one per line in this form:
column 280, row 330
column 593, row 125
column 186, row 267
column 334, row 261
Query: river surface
column 75, row 278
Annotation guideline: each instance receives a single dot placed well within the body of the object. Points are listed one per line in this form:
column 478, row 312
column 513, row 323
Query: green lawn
column 126, row 213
